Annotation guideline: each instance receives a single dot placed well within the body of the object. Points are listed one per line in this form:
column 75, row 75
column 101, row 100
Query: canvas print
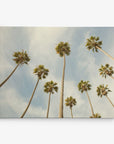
column 57, row 72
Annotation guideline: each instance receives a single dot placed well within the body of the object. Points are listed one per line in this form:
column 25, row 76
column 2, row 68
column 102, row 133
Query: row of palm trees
column 84, row 86
column 63, row 49
column 94, row 44
column 102, row 90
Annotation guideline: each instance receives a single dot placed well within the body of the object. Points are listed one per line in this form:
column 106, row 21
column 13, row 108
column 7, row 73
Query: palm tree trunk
column 48, row 105
column 9, row 75
column 110, row 101
column 90, row 103
column 30, row 100
column 62, row 91
column 105, row 53
column 71, row 112
column 112, row 77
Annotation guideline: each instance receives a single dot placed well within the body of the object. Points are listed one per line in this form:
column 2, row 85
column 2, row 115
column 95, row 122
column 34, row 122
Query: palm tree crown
column 106, row 70
column 92, row 43
column 103, row 90
column 70, row 101
column 50, row 87
column 21, row 57
column 41, row 72
column 63, row 48
column 84, row 86
column 96, row 116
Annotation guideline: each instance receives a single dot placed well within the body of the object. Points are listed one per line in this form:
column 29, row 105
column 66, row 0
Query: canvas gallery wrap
column 57, row 72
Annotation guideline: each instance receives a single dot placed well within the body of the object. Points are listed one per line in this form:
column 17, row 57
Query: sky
column 81, row 64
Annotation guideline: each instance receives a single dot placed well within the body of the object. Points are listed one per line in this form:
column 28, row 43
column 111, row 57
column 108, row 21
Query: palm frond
column 41, row 72
column 84, row 86
column 70, row 101
column 102, row 90
column 63, row 48
column 21, row 57
column 92, row 43
column 50, row 87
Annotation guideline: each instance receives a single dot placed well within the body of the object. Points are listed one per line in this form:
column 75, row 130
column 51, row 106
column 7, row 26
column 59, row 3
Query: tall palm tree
column 85, row 86
column 50, row 87
column 20, row 58
column 96, row 116
column 41, row 73
column 103, row 91
column 70, row 101
column 62, row 49
column 94, row 44
column 106, row 70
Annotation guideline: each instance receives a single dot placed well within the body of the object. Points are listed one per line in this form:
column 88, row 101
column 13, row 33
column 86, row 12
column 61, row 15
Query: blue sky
column 40, row 43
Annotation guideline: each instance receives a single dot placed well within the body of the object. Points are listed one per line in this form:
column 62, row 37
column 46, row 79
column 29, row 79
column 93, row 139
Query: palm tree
column 62, row 49
column 96, row 116
column 50, row 87
column 106, row 70
column 94, row 44
column 70, row 101
column 20, row 58
column 41, row 73
column 85, row 86
column 103, row 91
